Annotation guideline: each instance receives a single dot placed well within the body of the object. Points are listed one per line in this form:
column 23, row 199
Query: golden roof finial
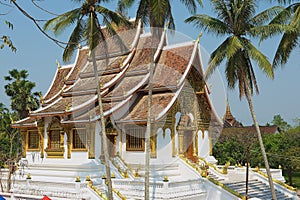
column 58, row 64
column 67, row 106
column 11, row 119
column 199, row 36
column 79, row 46
column 41, row 98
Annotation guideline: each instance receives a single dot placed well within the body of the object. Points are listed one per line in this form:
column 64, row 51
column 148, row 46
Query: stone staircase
column 256, row 189
column 59, row 171
column 235, row 180
column 158, row 190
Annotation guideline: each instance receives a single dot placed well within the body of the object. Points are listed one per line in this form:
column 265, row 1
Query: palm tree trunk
column 149, row 116
column 260, row 142
column 247, row 172
column 103, row 131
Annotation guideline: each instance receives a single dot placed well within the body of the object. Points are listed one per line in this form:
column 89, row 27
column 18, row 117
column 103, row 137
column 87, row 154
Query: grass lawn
column 296, row 179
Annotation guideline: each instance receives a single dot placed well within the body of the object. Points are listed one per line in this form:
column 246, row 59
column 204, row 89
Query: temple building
column 62, row 145
column 67, row 125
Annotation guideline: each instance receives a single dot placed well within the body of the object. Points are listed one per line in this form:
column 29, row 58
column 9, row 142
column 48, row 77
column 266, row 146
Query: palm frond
column 122, row 5
column 222, row 10
column 290, row 39
column 92, row 32
column 142, row 12
column 267, row 31
column 231, row 72
column 74, row 40
column 59, row 23
column 266, row 15
column 159, row 9
column 169, row 17
column 245, row 10
column 217, row 57
column 111, row 30
column 191, row 5
column 209, row 24
column 233, row 46
column 287, row 43
column 259, row 58
column 112, row 16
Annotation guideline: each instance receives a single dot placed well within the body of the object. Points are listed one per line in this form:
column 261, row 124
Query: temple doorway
column 188, row 146
column 111, row 145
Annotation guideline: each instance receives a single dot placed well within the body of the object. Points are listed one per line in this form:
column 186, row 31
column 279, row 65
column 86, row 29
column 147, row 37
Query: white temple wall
column 47, row 121
column 123, row 141
column 164, row 145
column 164, row 150
column 203, row 144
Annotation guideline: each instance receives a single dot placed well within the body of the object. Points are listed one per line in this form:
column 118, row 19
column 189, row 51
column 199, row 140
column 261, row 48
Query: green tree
column 156, row 14
column 283, row 149
column 236, row 20
column 282, row 125
column 88, row 29
column 19, row 89
column 9, row 142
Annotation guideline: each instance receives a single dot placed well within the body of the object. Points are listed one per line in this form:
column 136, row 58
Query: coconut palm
column 236, row 20
column 88, row 30
column 19, row 89
column 156, row 14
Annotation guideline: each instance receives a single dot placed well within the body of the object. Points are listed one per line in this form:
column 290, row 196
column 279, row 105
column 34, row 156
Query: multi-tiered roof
column 124, row 73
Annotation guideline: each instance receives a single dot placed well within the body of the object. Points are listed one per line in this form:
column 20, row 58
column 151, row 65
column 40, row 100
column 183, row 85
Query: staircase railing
column 291, row 188
column 126, row 172
column 204, row 175
column 212, row 166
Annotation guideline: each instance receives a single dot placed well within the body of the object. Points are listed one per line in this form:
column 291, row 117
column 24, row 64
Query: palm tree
column 290, row 39
column 236, row 20
column 156, row 14
column 88, row 29
column 20, row 92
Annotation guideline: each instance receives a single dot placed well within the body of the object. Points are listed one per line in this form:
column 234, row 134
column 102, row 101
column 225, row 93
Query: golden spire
column 228, row 115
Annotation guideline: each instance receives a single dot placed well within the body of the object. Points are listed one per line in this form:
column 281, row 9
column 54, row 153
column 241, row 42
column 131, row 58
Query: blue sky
column 38, row 55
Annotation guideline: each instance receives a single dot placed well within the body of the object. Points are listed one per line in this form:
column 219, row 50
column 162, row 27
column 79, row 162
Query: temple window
column 33, row 140
column 79, row 138
column 135, row 139
column 54, row 139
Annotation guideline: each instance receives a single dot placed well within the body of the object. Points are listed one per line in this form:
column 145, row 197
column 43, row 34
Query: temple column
column 195, row 143
column 68, row 131
column 200, row 145
column 41, row 135
column 180, row 141
column 172, row 128
column 210, row 144
column 153, row 143
column 90, row 130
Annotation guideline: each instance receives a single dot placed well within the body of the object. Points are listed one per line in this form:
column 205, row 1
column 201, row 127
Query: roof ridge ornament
column 198, row 37
column 58, row 64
